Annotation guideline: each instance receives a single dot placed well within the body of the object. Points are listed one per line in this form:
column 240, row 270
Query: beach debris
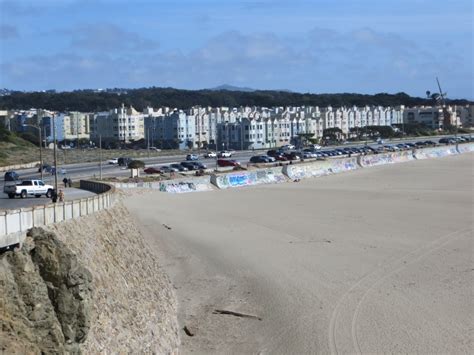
column 166, row 226
column 189, row 331
column 237, row 314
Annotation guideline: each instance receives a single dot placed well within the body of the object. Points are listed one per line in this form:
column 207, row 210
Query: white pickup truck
column 28, row 188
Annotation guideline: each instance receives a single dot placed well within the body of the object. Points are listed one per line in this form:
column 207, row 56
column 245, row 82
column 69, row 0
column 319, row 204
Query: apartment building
column 122, row 125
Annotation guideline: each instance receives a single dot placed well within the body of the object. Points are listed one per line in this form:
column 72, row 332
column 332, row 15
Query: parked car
column 277, row 155
column 11, row 176
column 291, row 156
column 273, row 152
column 113, row 161
column 288, row 147
column 210, row 155
column 316, row 146
column 124, row 161
column 191, row 157
column 430, row 143
column 28, row 188
column 225, row 154
column 168, row 169
column 228, row 162
column 449, row 140
column 198, row 165
column 179, row 167
column 258, row 159
column 152, row 170
column 188, row 165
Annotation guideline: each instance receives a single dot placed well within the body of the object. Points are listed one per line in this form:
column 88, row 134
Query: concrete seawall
column 182, row 185
column 385, row 158
column 271, row 175
column 249, row 178
column 320, row 168
column 435, row 152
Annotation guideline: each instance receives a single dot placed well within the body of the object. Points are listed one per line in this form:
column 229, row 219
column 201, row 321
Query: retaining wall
column 191, row 184
column 385, row 158
column 435, row 152
column 320, row 168
column 15, row 223
column 19, row 166
column 466, row 148
column 249, row 178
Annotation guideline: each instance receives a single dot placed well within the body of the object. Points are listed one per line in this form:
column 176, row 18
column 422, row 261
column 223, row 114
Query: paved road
column 87, row 170
column 373, row 261
column 70, row 194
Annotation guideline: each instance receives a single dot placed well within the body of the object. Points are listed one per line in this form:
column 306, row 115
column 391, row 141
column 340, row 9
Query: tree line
column 90, row 101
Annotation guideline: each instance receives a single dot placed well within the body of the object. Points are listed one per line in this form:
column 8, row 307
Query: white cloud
column 109, row 37
column 362, row 60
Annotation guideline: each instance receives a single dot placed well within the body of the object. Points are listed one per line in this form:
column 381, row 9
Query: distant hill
column 231, row 88
column 90, row 101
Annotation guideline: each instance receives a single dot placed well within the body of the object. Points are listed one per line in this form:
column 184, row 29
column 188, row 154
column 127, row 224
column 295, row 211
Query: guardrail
column 15, row 223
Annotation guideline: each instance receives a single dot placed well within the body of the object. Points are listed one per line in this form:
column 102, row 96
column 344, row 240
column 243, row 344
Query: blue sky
column 317, row 46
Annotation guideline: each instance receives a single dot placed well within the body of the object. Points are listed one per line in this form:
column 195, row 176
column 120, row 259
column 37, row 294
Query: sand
column 371, row 261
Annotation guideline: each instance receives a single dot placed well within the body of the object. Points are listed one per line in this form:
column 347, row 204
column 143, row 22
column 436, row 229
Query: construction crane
column 446, row 115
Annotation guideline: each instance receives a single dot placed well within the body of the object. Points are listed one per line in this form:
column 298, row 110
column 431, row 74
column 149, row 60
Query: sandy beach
column 375, row 260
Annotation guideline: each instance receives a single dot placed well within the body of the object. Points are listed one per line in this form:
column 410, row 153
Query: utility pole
column 445, row 113
column 40, row 119
column 100, row 157
column 148, row 142
column 55, row 154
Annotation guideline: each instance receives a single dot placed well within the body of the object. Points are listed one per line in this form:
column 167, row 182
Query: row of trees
column 89, row 101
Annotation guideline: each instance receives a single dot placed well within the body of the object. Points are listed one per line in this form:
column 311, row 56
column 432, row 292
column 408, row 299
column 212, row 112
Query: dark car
column 198, row 165
column 152, row 170
column 447, row 141
column 291, row 156
column 260, row 159
column 191, row 157
column 227, row 162
column 188, row 165
column 430, row 143
column 273, row 152
column 124, row 161
column 45, row 167
column 11, row 176
column 277, row 154
column 420, row 144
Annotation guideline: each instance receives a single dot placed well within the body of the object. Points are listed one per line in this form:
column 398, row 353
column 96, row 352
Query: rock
column 45, row 297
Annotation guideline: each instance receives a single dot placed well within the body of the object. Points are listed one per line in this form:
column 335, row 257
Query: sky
column 315, row 46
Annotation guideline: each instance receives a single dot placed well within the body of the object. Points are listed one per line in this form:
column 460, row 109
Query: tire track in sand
column 349, row 304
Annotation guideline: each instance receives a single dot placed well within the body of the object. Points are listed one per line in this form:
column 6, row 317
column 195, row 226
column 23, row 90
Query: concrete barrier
column 319, row 168
column 15, row 223
column 182, row 185
column 435, row 152
column 249, row 178
column 465, row 148
column 385, row 158
column 19, row 166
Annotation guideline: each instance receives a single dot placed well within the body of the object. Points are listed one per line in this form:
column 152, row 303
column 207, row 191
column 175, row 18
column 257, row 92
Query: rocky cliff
column 88, row 285
column 45, row 297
